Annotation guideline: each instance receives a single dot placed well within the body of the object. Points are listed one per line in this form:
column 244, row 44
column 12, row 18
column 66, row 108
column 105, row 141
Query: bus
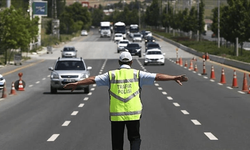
column 120, row 27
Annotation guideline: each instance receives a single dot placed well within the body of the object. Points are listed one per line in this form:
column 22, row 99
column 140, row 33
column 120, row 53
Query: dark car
column 134, row 49
column 151, row 45
column 149, row 39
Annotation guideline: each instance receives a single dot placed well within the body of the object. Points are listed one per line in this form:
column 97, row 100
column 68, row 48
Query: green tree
column 152, row 14
column 15, row 30
column 97, row 16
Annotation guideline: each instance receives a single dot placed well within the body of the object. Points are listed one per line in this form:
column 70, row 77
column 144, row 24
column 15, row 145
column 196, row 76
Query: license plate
column 69, row 80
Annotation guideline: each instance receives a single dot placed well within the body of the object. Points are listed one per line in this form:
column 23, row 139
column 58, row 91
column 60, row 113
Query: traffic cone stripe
column 20, row 86
column 13, row 91
column 235, row 82
column 245, row 86
column 223, row 79
column 212, row 76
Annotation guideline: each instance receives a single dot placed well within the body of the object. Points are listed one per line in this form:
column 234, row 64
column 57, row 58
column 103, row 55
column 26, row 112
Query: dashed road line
column 37, row 82
column 74, row 113
column 66, row 123
column 176, row 104
column 159, row 88
column 196, row 122
column 169, row 98
column 86, row 98
column 210, row 136
column 81, row 105
column 53, row 137
column 164, row 93
column 185, row 112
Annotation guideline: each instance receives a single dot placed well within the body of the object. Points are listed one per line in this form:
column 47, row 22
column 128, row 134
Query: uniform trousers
column 133, row 133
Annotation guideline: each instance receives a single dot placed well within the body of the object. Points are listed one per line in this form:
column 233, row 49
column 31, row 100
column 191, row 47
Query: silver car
column 68, row 70
column 69, row 52
column 2, row 82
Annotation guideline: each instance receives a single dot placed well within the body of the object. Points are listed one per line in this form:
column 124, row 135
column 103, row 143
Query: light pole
column 198, row 7
column 218, row 23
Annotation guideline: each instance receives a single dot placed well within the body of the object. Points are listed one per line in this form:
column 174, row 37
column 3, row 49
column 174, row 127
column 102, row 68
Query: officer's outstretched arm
column 164, row 77
column 87, row 81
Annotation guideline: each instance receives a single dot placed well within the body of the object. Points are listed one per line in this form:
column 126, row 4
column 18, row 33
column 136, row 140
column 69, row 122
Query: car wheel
column 53, row 90
column 139, row 55
column 162, row 64
column 145, row 64
column 86, row 90
column 117, row 51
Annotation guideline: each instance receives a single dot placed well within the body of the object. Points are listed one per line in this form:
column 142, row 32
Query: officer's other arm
column 87, row 81
column 164, row 77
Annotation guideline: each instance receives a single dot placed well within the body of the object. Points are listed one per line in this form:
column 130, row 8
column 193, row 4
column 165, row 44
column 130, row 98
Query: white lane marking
column 86, row 98
column 169, row 98
column 205, row 77
column 48, row 76
column 176, row 104
column 90, row 93
column 156, row 84
column 196, row 122
column 220, row 83
column 230, row 88
column 159, row 88
column 164, row 93
column 211, row 80
column 37, row 82
column 53, row 137
column 185, row 112
column 199, row 74
column 30, row 85
column 94, row 85
column 210, row 136
column 92, row 89
column 74, row 113
column 241, row 92
column 44, row 79
column 66, row 123
column 81, row 105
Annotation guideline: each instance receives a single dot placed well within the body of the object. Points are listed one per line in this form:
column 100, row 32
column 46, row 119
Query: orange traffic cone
column 223, row 78
column 195, row 68
column 4, row 95
column 245, row 86
column 20, row 86
column 186, row 64
column 180, row 61
column 207, row 56
column 191, row 67
column 204, row 68
column 212, row 75
column 177, row 61
column 13, row 91
column 235, row 82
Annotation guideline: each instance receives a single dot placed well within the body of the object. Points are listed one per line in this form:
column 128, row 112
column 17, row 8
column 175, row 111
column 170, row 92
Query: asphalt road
column 200, row 115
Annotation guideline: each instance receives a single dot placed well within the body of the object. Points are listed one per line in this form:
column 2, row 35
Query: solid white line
column 74, row 113
column 66, row 123
column 176, row 104
column 210, row 136
column 164, row 93
column 185, row 112
column 81, row 105
column 196, row 122
column 169, row 98
column 53, row 137
column 86, row 98
column 159, row 88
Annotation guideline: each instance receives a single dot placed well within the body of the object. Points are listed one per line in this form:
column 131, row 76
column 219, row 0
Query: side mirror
column 51, row 68
column 89, row 68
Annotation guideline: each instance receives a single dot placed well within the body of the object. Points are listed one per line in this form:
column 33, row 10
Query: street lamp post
column 218, row 23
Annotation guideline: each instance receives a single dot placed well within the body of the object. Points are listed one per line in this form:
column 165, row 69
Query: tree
column 152, row 14
column 16, row 31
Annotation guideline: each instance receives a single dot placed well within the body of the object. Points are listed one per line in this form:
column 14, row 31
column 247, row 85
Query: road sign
column 40, row 8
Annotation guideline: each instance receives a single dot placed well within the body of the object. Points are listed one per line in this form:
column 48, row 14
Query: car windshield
column 154, row 53
column 153, row 46
column 69, row 65
column 133, row 45
column 124, row 42
column 118, row 35
column 137, row 35
column 69, row 49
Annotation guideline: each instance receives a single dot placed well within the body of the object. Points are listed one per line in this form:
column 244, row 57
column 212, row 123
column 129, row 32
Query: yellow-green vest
column 124, row 91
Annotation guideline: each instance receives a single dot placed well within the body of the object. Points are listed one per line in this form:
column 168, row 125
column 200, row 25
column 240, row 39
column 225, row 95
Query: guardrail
column 219, row 59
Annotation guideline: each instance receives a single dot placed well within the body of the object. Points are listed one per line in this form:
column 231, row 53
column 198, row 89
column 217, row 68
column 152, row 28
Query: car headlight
column 138, row 50
column 84, row 76
column 54, row 75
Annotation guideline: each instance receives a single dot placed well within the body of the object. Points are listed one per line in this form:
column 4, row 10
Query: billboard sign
column 40, row 8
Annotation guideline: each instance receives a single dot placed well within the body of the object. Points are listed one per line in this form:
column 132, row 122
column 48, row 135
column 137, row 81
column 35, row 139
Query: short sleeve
column 102, row 80
column 147, row 78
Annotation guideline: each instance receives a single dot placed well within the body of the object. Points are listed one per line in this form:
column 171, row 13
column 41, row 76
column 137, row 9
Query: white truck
column 105, row 30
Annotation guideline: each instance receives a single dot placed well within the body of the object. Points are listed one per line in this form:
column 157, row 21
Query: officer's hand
column 71, row 86
column 181, row 78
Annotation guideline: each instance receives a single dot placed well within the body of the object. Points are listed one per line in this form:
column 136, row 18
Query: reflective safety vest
column 124, row 92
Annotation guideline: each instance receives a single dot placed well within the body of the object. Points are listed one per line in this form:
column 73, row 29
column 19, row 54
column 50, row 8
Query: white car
column 121, row 44
column 118, row 37
column 154, row 56
column 137, row 37
column 84, row 33
column 2, row 82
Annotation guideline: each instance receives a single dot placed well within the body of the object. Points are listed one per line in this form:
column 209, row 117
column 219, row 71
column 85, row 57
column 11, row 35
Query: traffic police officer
column 124, row 92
